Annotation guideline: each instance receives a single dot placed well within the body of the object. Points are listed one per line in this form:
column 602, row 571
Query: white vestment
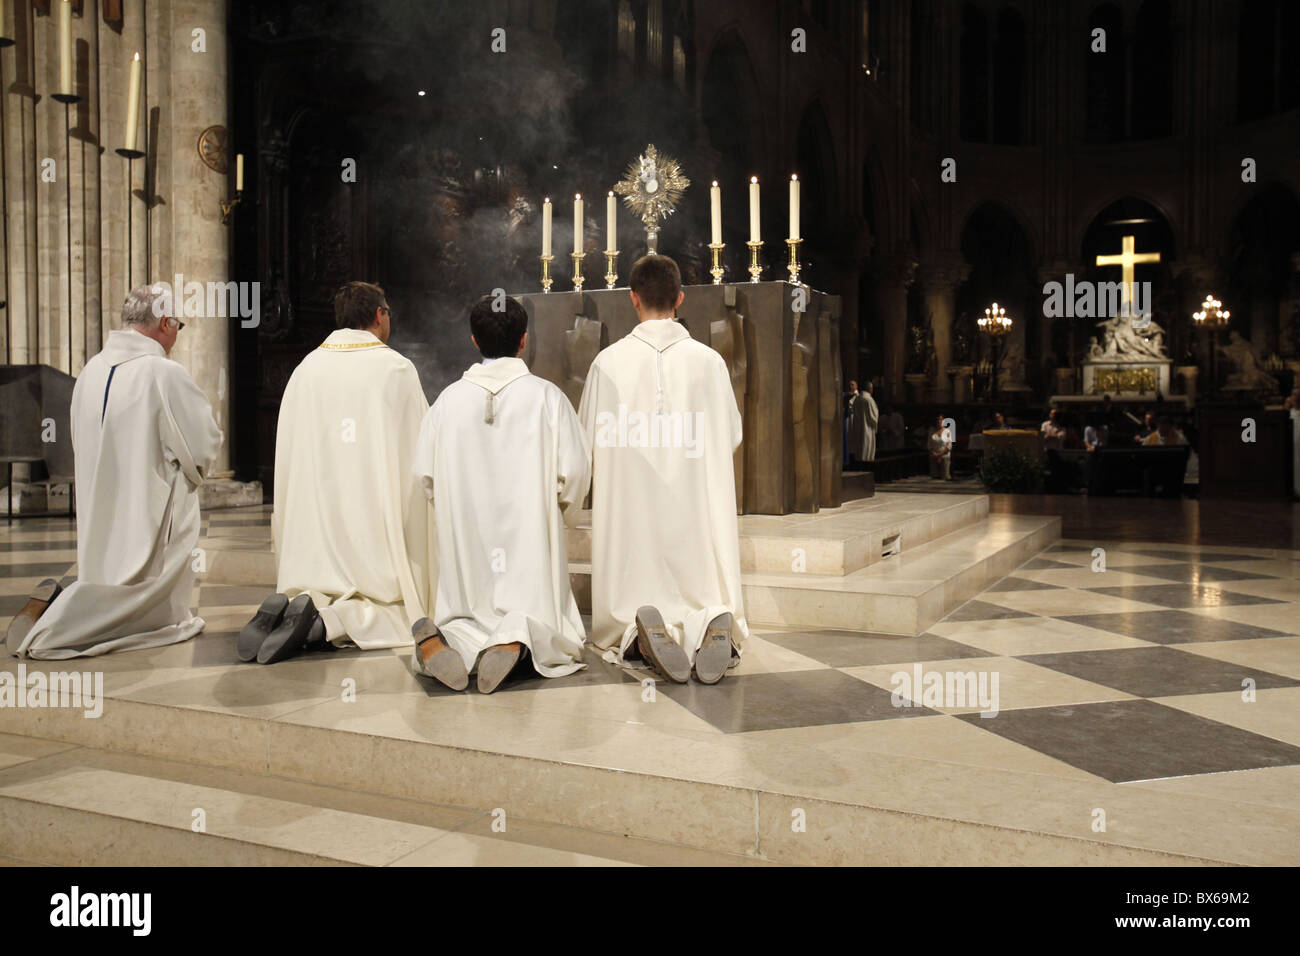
column 661, row 420
column 350, row 525
column 503, row 459
column 143, row 434
column 862, row 427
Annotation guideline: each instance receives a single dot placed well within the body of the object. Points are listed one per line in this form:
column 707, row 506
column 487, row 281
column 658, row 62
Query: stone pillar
column 938, row 285
column 893, row 274
column 189, row 89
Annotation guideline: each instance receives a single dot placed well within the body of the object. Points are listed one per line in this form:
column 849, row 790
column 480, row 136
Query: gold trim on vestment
column 353, row 345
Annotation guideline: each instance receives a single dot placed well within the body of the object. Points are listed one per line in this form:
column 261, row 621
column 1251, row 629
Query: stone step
column 903, row 594
column 835, row 541
column 84, row 807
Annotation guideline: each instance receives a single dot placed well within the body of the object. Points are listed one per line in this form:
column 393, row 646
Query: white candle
column 546, row 227
column 577, row 223
column 133, row 105
column 753, row 210
column 239, row 172
column 65, row 48
column 715, row 212
column 611, row 222
column 794, row 207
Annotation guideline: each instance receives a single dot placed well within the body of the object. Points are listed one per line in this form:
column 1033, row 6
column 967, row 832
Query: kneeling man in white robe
column 143, row 435
column 352, row 531
column 661, row 419
column 504, row 461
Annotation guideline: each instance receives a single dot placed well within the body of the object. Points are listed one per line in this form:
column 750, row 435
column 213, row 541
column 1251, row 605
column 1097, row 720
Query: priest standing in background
column 503, row 459
column 353, row 532
column 863, row 419
column 661, row 420
column 143, row 435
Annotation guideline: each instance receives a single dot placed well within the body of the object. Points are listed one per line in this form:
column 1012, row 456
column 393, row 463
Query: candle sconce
column 228, row 206
column 611, row 268
column 793, row 266
column 546, row 273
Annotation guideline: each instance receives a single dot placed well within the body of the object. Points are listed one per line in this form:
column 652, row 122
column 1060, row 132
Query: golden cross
column 1126, row 260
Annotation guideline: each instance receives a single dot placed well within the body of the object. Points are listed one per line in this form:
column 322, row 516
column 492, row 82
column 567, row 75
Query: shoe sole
column 658, row 648
column 446, row 667
column 38, row 602
column 289, row 638
column 714, row 655
column 495, row 666
column 267, row 619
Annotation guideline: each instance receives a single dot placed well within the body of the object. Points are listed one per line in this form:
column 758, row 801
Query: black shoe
column 658, row 647
column 296, row 630
column 41, row 598
column 434, row 658
column 496, row 663
column 266, row 620
column 714, row 656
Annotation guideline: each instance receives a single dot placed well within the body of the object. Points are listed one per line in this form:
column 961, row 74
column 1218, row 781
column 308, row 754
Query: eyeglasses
column 179, row 324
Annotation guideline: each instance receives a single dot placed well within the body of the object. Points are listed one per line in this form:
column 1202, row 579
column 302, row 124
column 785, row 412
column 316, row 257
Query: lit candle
column 133, row 104
column 794, row 207
column 546, row 227
column 65, row 48
column 611, row 222
column 715, row 212
column 239, row 172
column 577, row 223
column 753, row 210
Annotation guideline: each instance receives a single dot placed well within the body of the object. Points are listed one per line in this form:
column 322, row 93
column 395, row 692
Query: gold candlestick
column 546, row 273
column 577, row 258
column 755, row 270
column 611, row 268
column 716, row 248
column 793, row 266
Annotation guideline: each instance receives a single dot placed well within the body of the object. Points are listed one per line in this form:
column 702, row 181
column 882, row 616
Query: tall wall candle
column 794, row 207
column 577, row 223
column 754, row 235
column 546, row 227
column 715, row 212
column 611, row 222
column 133, row 105
column 65, row 47
column 239, row 172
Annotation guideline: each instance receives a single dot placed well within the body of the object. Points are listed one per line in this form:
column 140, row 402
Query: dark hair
column 355, row 304
column 657, row 281
column 498, row 333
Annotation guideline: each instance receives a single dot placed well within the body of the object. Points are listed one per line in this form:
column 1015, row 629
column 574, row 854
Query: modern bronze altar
column 782, row 345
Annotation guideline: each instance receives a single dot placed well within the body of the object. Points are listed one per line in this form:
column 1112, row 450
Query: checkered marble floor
column 1166, row 667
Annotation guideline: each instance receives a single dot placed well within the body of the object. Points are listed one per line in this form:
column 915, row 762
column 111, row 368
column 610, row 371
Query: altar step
column 63, row 805
column 835, row 541
column 903, row 594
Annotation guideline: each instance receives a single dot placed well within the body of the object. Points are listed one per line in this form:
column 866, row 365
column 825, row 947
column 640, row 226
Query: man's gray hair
column 143, row 308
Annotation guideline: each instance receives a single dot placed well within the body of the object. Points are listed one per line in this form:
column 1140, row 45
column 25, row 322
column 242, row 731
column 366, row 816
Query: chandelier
column 994, row 321
column 1212, row 314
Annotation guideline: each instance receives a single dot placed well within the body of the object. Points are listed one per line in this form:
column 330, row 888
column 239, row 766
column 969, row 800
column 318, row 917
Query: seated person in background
column 1165, row 434
column 1053, row 431
column 1096, row 434
column 1147, row 428
column 940, row 448
column 998, row 424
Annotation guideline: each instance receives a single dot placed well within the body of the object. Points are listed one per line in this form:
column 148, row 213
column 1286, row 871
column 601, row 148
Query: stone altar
column 785, row 371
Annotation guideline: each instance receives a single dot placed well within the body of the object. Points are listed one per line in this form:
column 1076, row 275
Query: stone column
column 894, row 274
column 938, row 285
column 189, row 89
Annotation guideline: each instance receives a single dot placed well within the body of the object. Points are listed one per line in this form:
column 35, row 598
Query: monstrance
column 651, row 188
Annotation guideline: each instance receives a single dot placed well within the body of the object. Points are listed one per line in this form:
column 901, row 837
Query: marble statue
column 1125, row 341
column 1249, row 374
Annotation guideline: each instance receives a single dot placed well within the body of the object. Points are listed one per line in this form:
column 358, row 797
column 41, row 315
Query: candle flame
column 753, row 179
column 137, row 54
column 715, row 182
column 547, row 200
column 793, row 178
column 577, row 196
column 611, row 194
